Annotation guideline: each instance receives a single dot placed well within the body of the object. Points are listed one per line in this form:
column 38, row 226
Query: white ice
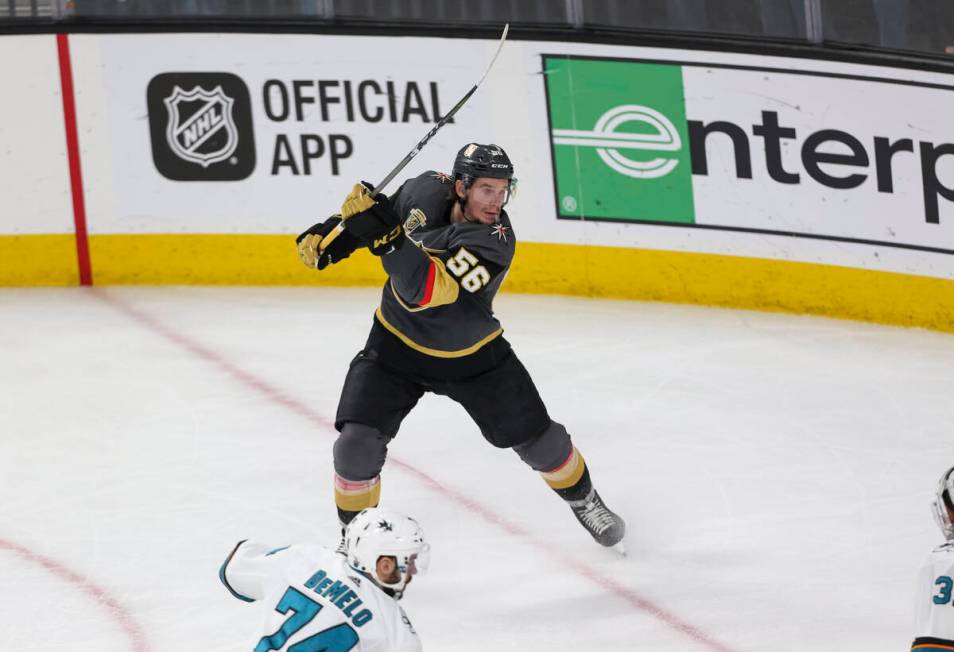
column 774, row 470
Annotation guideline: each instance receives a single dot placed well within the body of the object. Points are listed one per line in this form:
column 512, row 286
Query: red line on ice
column 99, row 595
column 273, row 393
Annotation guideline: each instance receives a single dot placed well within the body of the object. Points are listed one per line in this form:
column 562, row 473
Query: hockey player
column 317, row 599
column 446, row 244
column 935, row 596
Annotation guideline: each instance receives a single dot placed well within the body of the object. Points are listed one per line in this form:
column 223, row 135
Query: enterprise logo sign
column 611, row 145
column 624, row 149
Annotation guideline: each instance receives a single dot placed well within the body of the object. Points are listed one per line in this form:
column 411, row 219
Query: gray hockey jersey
column 438, row 299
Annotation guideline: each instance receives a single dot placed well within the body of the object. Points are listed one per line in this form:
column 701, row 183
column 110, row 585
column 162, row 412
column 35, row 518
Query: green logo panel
column 619, row 141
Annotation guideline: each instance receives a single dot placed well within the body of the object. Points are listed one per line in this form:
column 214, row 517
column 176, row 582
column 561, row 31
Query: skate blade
column 619, row 548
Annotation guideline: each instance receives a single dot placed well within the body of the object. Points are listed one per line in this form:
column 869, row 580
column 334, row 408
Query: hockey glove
column 368, row 218
column 323, row 245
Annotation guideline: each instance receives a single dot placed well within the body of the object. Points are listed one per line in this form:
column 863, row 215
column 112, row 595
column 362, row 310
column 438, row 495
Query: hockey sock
column 351, row 496
column 571, row 479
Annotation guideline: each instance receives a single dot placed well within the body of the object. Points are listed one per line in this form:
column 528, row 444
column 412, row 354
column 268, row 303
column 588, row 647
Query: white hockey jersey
column 315, row 601
column 935, row 602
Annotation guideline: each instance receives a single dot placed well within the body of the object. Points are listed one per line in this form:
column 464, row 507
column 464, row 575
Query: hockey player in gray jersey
column 446, row 244
column 935, row 595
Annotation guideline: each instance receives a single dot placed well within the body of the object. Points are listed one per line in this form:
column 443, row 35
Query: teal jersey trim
column 222, row 574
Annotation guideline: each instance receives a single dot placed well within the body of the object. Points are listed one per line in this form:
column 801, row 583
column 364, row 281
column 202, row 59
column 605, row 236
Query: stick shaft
column 430, row 134
column 443, row 121
column 417, row 148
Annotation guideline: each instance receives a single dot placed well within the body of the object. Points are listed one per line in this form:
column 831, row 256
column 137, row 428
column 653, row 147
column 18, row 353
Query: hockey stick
column 430, row 134
column 443, row 121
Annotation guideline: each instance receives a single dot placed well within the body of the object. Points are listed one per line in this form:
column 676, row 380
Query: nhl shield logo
column 200, row 125
column 201, row 128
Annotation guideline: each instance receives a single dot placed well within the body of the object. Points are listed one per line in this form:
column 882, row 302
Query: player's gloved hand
column 357, row 201
column 322, row 244
column 368, row 218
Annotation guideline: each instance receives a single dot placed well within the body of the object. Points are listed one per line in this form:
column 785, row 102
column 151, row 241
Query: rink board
column 718, row 178
column 612, row 272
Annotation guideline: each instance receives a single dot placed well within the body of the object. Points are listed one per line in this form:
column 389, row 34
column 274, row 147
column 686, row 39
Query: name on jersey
column 340, row 595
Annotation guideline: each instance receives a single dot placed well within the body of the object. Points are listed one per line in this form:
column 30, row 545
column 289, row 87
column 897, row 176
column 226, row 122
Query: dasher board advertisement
column 261, row 133
column 34, row 172
column 735, row 148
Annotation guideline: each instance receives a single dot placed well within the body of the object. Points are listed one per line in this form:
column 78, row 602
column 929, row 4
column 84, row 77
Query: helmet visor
column 493, row 196
column 943, row 516
column 419, row 562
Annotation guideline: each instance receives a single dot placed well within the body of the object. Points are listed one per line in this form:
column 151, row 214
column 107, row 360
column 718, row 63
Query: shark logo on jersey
column 500, row 231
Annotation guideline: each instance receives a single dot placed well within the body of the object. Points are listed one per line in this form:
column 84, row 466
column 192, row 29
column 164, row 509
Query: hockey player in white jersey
column 320, row 600
column 935, row 596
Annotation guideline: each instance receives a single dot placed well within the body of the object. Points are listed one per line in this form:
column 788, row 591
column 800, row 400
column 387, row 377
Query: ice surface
column 774, row 470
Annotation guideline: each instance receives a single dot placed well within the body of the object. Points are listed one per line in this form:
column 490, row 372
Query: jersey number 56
column 465, row 266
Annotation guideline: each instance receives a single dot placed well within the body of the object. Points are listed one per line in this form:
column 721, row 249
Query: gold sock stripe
column 353, row 496
column 567, row 474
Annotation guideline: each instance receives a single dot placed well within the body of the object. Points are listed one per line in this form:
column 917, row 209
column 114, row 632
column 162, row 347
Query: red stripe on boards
column 72, row 151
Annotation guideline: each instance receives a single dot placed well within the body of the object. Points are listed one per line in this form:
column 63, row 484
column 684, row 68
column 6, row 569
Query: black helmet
column 475, row 160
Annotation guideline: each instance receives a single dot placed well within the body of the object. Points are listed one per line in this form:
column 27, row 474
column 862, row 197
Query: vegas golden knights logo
column 415, row 220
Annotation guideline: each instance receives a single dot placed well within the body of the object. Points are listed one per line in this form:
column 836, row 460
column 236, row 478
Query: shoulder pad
column 429, row 181
column 423, row 202
column 492, row 241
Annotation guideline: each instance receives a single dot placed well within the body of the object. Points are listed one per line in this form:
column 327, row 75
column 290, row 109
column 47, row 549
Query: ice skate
column 605, row 526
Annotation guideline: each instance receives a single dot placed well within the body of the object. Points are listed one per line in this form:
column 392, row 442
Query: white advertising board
column 792, row 159
column 828, row 164
column 34, row 172
column 263, row 133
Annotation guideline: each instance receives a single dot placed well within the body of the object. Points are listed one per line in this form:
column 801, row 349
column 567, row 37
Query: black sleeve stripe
column 920, row 640
column 932, row 644
column 225, row 581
